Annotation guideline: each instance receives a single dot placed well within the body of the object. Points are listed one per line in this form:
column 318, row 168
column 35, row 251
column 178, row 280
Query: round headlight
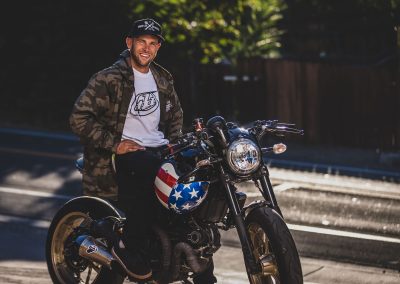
column 243, row 156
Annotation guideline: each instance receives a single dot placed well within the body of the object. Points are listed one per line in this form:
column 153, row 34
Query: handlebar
column 184, row 142
column 260, row 128
column 273, row 126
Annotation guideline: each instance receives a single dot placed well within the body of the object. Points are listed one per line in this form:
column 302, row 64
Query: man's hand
column 128, row 146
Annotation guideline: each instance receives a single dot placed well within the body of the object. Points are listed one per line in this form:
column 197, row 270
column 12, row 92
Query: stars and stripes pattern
column 186, row 197
column 165, row 180
column 177, row 196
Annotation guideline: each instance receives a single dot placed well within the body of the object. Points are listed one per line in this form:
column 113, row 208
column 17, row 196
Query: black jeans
column 136, row 172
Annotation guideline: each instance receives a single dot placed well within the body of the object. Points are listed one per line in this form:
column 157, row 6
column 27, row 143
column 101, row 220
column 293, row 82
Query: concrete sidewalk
column 343, row 161
column 334, row 182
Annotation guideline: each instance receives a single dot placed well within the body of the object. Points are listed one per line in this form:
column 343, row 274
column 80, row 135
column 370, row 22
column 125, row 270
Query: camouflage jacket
column 98, row 118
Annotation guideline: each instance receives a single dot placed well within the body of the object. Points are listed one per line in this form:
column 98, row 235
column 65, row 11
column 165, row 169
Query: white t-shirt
column 143, row 117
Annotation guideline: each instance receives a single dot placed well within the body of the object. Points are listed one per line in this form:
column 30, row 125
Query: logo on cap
column 149, row 26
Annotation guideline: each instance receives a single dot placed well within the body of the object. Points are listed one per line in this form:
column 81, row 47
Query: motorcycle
column 197, row 185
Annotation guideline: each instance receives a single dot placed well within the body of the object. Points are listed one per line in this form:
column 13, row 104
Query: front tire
column 62, row 269
column 273, row 248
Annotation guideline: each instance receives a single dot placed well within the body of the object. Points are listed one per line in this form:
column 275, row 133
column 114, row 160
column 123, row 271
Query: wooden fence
column 336, row 104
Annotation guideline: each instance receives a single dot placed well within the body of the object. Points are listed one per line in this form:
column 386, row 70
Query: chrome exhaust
column 93, row 250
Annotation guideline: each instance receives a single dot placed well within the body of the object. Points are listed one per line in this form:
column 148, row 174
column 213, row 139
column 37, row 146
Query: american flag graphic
column 177, row 196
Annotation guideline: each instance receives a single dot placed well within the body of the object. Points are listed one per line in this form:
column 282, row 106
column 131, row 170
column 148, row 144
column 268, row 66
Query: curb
column 385, row 175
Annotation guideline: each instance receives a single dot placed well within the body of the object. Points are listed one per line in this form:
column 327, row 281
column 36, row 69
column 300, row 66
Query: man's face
column 143, row 50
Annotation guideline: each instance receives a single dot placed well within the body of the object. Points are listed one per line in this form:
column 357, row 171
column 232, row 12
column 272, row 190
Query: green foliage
column 211, row 31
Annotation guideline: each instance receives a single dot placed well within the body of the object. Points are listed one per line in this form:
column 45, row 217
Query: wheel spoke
column 265, row 241
column 96, row 268
column 261, row 250
column 88, row 275
column 66, row 273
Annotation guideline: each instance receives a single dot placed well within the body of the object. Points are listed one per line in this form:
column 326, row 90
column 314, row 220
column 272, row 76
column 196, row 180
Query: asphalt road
column 22, row 261
column 335, row 221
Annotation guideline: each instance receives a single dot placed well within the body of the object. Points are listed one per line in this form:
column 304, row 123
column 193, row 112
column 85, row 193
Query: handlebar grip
column 182, row 143
column 289, row 130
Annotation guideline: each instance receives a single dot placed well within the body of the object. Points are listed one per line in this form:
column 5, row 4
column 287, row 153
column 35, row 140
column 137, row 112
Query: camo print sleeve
column 88, row 113
column 175, row 127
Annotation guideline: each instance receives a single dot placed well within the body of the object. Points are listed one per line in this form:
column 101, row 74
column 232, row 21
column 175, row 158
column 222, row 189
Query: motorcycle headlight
column 243, row 156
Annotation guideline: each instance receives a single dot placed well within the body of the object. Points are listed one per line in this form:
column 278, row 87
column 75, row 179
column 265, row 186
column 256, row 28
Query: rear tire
column 70, row 216
column 271, row 241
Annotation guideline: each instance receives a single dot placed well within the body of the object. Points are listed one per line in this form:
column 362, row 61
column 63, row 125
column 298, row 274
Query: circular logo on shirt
column 144, row 104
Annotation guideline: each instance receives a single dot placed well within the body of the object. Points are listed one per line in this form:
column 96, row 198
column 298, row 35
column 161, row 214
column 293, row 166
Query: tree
column 210, row 31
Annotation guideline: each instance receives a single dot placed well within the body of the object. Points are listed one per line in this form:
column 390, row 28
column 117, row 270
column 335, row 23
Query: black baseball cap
column 146, row 27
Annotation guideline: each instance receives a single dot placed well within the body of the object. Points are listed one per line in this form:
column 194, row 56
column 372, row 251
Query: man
column 131, row 110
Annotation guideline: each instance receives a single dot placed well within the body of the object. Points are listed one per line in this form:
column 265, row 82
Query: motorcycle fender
column 95, row 202
column 254, row 205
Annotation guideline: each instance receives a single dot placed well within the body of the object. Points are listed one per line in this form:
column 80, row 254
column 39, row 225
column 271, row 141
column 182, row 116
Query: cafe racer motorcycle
column 197, row 186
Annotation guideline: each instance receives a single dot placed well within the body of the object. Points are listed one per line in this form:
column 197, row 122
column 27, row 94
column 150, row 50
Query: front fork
column 238, row 215
column 267, row 190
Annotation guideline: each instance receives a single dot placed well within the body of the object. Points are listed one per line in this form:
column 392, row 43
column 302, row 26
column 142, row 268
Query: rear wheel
column 273, row 248
column 64, row 264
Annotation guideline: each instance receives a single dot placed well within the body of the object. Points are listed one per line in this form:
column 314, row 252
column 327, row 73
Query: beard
column 136, row 60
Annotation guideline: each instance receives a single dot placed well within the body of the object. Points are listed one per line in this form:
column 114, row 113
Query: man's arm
column 86, row 116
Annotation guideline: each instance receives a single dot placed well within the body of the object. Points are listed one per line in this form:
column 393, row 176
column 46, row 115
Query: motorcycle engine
column 207, row 239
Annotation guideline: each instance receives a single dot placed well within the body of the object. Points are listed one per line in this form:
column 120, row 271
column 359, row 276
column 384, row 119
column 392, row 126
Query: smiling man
column 130, row 111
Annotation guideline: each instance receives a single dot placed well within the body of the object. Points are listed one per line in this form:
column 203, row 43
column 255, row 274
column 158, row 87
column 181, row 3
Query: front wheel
column 273, row 248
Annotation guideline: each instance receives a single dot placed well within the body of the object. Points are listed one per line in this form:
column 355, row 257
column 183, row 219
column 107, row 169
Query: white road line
column 33, row 193
column 285, row 186
column 305, row 179
column 277, row 188
column 294, row 227
column 45, row 224
column 340, row 233
column 332, row 168
column 42, row 224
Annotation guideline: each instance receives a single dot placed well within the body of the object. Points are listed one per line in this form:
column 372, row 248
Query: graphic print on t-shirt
column 144, row 104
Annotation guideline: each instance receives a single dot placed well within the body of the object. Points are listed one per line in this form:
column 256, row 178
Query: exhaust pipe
column 93, row 250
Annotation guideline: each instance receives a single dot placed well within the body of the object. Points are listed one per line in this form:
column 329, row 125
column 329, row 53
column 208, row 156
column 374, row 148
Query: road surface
column 338, row 223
